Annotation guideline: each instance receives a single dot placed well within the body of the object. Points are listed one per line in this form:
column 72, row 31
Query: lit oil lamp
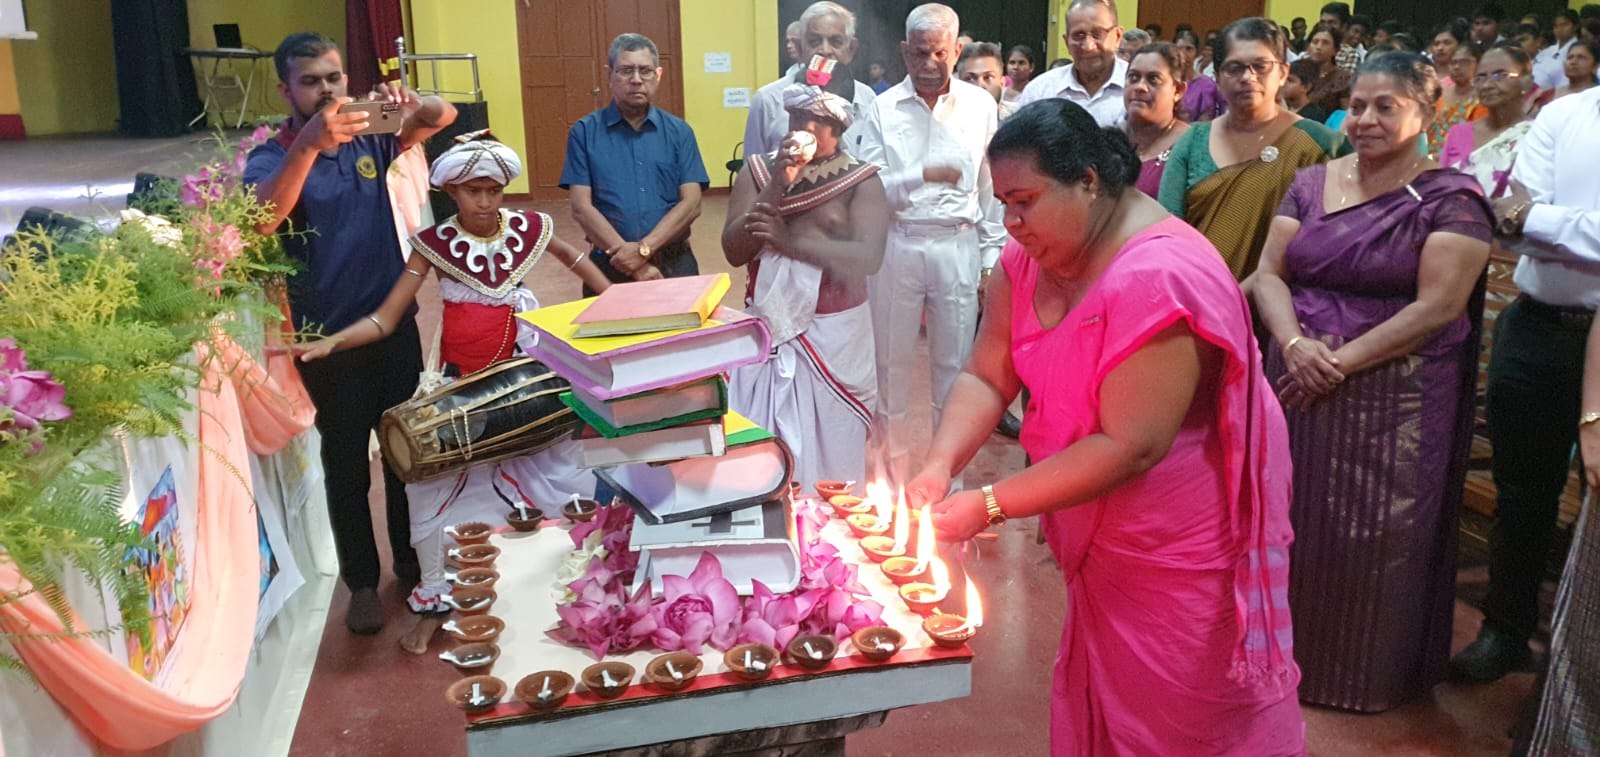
column 903, row 570
column 922, row 598
column 880, row 548
column 864, row 525
column 846, row 505
column 952, row 631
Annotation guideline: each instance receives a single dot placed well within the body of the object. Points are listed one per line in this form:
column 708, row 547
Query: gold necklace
column 1350, row 179
column 1141, row 149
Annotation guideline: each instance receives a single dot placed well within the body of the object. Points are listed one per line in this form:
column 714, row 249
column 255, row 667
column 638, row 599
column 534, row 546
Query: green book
column 648, row 411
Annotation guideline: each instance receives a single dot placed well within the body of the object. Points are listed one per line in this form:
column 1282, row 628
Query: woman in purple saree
column 1371, row 284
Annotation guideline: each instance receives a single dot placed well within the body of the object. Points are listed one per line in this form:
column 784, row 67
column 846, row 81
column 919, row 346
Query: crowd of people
column 1238, row 282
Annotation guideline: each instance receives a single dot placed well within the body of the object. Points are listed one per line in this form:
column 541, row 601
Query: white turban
column 475, row 158
column 805, row 98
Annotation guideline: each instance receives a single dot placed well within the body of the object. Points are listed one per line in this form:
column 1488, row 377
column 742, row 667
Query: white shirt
column 901, row 135
column 1549, row 66
column 1560, row 242
column 768, row 122
column 1105, row 105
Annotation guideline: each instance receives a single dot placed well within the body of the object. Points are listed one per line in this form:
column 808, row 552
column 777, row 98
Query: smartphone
column 382, row 117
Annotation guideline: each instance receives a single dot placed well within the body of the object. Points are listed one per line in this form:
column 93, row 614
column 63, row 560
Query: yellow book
column 642, row 307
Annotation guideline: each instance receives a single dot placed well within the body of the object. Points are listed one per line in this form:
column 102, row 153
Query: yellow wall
column 1284, row 11
column 10, row 104
column 490, row 31
column 1127, row 16
column 67, row 79
column 263, row 25
column 748, row 32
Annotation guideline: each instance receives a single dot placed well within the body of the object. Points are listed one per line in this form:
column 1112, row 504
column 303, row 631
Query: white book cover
column 690, row 489
column 752, row 543
column 671, row 443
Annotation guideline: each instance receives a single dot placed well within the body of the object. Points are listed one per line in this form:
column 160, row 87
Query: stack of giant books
column 646, row 363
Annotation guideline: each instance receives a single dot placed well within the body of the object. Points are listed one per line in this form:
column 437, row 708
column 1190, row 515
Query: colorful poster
column 279, row 574
column 165, row 574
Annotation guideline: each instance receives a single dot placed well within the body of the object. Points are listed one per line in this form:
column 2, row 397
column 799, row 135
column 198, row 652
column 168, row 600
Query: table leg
column 249, row 82
column 210, row 78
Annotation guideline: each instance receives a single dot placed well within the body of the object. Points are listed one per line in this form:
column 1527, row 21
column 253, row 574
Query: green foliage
column 114, row 318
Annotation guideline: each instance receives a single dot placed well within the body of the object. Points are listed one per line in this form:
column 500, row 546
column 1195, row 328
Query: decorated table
column 720, row 710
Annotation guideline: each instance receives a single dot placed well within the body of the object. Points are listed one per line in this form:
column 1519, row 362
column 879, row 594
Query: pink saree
column 1177, row 639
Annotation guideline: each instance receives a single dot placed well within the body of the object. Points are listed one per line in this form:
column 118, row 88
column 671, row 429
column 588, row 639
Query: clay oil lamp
column 795, row 492
column 475, row 694
column 830, row 489
column 813, row 651
column 751, row 662
column 608, row 679
column 953, row 631
column 672, row 671
column 523, row 518
column 474, row 628
column 878, row 643
column 469, row 601
column 473, row 658
column 875, row 523
column 467, row 534
column 922, row 597
column 846, row 505
column 903, row 570
column 880, row 548
column 580, row 510
column 474, row 555
column 544, row 690
column 478, row 578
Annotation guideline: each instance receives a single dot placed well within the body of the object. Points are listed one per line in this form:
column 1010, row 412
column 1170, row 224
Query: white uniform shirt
column 901, row 135
column 1550, row 66
column 768, row 122
column 1105, row 105
column 1558, row 163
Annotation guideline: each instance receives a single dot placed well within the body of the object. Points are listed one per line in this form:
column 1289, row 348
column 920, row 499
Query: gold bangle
column 1290, row 344
column 415, row 272
column 576, row 260
column 377, row 323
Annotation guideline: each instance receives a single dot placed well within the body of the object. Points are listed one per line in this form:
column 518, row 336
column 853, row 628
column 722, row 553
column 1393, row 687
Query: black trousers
column 351, row 390
column 1535, row 388
column 674, row 260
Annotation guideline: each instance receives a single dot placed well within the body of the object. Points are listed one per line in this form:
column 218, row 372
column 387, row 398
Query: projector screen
column 12, row 23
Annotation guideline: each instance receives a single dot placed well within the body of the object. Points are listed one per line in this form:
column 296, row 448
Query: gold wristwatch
column 996, row 515
column 644, row 251
column 1588, row 419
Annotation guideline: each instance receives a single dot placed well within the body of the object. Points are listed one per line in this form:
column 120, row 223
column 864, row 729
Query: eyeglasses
column 1084, row 35
column 628, row 72
column 1497, row 77
column 1235, row 70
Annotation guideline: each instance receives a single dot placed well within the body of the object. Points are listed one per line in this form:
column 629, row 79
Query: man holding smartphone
column 324, row 174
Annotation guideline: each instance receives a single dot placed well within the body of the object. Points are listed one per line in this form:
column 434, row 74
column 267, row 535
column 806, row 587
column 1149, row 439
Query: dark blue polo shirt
column 634, row 175
column 350, row 252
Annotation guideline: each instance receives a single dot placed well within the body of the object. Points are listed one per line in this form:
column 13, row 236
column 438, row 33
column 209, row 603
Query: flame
column 939, row 577
column 974, row 604
column 924, row 539
column 902, row 525
column 878, row 498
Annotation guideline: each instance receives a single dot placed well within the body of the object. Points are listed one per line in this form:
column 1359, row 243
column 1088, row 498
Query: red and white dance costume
column 480, row 282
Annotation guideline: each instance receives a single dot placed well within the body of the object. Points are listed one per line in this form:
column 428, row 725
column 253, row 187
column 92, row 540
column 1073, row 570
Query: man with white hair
column 929, row 134
column 809, row 221
column 827, row 29
column 1096, row 75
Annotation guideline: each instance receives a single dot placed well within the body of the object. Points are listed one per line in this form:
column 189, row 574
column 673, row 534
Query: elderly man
column 929, row 134
column 635, row 173
column 1132, row 41
column 791, row 47
column 982, row 66
column 1535, row 403
column 827, row 29
column 1096, row 75
column 810, row 220
column 330, row 181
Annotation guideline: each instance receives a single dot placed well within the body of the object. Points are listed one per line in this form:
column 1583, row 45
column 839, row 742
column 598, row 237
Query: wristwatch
column 644, row 251
column 996, row 515
column 1588, row 419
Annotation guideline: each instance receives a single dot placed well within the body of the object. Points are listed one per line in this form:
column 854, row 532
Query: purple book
column 608, row 367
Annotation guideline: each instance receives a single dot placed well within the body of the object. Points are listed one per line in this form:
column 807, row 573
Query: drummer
column 481, row 255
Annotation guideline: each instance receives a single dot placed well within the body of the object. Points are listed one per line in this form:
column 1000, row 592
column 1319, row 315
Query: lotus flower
column 840, row 613
column 822, row 568
column 31, row 397
column 603, row 618
column 775, row 620
column 700, row 609
column 575, row 566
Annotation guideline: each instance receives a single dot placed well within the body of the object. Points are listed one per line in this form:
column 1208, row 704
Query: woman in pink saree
column 1162, row 459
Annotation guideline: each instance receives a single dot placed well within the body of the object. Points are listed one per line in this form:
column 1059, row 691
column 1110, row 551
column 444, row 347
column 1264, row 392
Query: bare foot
column 416, row 640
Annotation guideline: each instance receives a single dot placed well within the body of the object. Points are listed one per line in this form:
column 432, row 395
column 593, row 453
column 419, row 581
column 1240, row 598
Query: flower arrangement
column 701, row 609
column 97, row 330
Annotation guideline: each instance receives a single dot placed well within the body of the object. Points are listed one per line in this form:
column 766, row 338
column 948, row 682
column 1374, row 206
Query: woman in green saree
column 1226, row 177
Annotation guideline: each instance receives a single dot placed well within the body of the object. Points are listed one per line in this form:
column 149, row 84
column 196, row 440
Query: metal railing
column 476, row 93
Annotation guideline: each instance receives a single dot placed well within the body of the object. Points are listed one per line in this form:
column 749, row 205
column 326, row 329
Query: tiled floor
column 369, row 698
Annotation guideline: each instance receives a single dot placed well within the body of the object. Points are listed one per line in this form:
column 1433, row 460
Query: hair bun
column 1124, row 158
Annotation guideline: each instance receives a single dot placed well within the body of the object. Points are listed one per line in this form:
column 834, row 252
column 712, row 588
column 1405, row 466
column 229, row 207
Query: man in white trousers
column 928, row 134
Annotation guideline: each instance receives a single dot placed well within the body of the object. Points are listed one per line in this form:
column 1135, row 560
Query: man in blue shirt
column 635, row 173
column 330, row 185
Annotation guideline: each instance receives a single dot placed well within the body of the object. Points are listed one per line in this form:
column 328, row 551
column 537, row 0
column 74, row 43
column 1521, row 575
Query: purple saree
column 1379, row 463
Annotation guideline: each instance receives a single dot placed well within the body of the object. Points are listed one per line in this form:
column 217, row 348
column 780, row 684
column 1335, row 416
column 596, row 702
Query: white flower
column 161, row 230
column 576, row 563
